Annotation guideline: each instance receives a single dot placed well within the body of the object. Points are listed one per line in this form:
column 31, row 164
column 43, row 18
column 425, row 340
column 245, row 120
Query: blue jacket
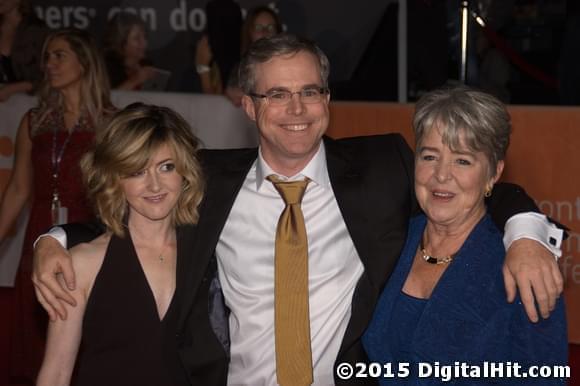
column 467, row 318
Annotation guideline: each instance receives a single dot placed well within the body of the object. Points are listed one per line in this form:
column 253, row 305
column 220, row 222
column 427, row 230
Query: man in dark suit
column 356, row 207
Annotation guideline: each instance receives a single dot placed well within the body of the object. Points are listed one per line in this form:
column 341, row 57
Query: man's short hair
column 279, row 45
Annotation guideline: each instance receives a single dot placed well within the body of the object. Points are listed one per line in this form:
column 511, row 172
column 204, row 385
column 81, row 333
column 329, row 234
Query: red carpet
column 5, row 328
column 574, row 365
column 6, row 307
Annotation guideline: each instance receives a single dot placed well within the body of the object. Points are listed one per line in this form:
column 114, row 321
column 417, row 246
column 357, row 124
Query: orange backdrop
column 544, row 157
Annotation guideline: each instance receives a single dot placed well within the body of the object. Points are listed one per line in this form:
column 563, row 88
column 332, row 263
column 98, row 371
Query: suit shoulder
column 376, row 149
column 390, row 139
column 378, row 146
column 220, row 157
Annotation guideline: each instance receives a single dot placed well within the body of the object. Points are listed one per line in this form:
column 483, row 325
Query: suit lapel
column 224, row 180
column 346, row 178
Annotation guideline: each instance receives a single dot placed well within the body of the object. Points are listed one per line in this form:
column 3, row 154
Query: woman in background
column 51, row 139
column 261, row 22
column 21, row 37
column 445, row 301
column 218, row 50
column 145, row 180
column 125, row 46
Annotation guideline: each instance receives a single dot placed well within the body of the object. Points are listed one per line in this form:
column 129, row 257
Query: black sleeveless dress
column 123, row 341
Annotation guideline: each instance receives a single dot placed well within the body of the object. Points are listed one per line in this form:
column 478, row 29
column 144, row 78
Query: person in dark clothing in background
column 218, row 50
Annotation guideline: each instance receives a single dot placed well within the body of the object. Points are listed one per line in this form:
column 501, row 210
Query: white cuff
column 535, row 226
column 56, row 233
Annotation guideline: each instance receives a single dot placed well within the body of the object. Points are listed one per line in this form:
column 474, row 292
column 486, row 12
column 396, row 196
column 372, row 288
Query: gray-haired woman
column 445, row 302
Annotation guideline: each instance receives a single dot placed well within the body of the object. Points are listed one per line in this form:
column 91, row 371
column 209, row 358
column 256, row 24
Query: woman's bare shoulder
column 87, row 260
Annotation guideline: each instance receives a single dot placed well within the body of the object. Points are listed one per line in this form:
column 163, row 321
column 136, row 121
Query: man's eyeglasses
column 283, row 97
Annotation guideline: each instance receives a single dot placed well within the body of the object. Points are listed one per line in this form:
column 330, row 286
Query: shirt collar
column 316, row 170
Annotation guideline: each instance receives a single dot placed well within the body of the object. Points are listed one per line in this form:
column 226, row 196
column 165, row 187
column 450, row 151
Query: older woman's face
column 450, row 185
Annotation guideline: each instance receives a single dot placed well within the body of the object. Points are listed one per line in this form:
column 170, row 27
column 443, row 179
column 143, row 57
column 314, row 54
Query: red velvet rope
column 517, row 59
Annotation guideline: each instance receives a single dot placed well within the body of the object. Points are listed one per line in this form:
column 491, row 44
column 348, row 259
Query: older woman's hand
column 535, row 270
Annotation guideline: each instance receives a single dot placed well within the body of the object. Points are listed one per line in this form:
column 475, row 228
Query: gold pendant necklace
column 160, row 257
column 434, row 259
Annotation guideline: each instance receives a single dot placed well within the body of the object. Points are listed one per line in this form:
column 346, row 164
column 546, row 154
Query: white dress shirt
column 245, row 255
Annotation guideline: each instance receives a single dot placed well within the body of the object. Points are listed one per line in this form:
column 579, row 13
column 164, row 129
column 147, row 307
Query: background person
column 145, row 180
column 73, row 101
column 218, row 50
column 125, row 45
column 21, row 37
column 445, row 301
column 261, row 22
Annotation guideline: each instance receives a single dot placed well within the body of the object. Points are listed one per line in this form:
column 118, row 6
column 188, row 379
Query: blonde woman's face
column 153, row 193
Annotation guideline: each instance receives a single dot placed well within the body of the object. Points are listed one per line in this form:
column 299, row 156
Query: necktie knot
column 291, row 192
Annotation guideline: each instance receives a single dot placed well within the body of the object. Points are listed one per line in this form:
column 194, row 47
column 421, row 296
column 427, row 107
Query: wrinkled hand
column 203, row 54
column 50, row 260
column 535, row 270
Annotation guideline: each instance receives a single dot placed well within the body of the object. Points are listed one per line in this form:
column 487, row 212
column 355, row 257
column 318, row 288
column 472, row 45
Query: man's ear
column 249, row 107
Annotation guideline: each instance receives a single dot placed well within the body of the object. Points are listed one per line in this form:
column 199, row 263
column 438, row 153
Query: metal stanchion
column 464, row 28
column 402, row 52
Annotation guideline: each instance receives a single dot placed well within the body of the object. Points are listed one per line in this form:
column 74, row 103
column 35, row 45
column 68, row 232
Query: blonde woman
column 73, row 100
column 145, row 180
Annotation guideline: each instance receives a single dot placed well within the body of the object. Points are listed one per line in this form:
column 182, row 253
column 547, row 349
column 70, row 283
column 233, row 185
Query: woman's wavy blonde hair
column 95, row 90
column 125, row 145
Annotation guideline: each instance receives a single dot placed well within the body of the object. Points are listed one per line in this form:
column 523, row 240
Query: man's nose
column 295, row 105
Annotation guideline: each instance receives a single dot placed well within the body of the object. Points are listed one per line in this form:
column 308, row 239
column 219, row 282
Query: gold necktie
column 292, row 321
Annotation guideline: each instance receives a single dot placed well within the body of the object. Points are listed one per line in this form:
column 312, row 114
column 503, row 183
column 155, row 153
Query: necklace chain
column 164, row 247
column 434, row 259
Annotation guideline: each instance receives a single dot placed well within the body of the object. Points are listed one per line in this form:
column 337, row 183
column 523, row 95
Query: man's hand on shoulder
column 51, row 260
column 535, row 271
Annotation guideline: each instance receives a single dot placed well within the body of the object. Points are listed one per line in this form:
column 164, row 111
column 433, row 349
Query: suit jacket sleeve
column 508, row 200
column 77, row 233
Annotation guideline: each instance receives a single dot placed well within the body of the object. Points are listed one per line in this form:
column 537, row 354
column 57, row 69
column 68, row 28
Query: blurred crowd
column 124, row 47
